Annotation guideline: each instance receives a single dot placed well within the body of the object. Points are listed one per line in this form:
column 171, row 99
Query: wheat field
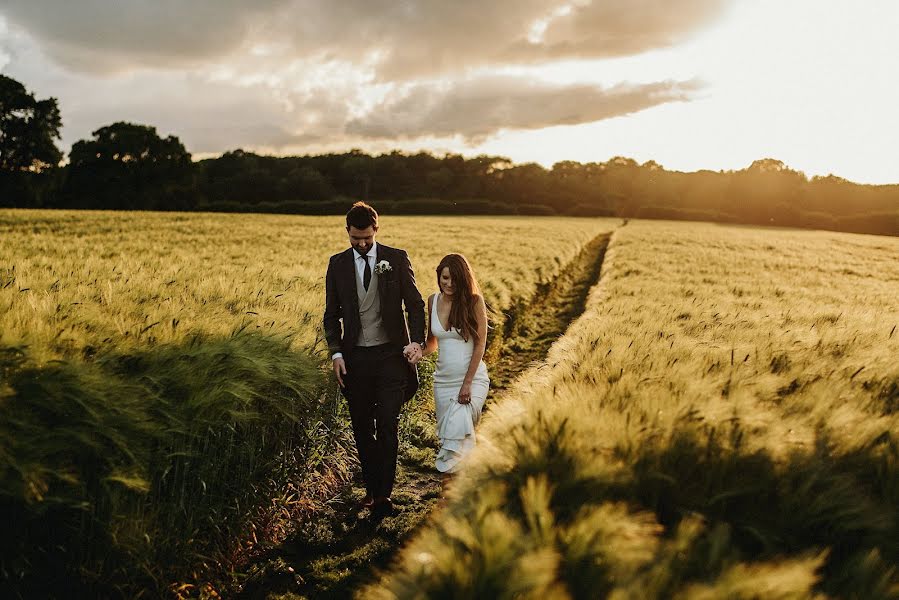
column 721, row 422
column 165, row 400
column 69, row 280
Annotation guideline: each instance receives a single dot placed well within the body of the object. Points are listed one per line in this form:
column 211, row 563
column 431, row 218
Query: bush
column 679, row 214
column 483, row 207
column 536, row 210
column 817, row 220
column 589, row 210
column 877, row 223
column 418, row 206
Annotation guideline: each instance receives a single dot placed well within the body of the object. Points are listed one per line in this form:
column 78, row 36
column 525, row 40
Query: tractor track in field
column 340, row 550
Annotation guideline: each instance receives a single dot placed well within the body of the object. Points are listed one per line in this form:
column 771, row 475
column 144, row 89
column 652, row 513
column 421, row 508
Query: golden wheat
column 790, row 331
column 75, row 281
column 736, row 388
column 160, row 389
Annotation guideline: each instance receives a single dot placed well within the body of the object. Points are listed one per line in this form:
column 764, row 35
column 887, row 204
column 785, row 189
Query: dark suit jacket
column 396, row 288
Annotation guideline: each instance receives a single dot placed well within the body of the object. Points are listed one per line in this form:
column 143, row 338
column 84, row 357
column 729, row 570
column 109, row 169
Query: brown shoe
column 367, row 501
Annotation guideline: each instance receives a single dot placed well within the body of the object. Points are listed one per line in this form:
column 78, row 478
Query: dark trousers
column 375, row 387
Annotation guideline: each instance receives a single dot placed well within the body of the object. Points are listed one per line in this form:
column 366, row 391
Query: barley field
column 72, row 280
column 165, row 400
column 721, row 422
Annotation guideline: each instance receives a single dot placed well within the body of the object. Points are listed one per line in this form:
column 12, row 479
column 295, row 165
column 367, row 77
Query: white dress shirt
column 372, row 257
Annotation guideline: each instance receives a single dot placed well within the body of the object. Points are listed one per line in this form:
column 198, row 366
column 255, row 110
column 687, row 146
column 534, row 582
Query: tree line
column 128, row 166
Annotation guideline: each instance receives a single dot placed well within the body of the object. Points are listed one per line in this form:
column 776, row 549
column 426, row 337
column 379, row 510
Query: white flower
column 383, row 267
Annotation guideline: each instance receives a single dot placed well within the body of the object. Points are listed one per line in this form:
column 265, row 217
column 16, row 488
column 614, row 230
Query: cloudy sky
column 691, row 84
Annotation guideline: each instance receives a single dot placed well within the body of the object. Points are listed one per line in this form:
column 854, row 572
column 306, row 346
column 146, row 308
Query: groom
column 366, row 287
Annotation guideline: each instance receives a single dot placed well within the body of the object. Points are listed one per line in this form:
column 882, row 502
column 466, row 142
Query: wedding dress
column 455, row 422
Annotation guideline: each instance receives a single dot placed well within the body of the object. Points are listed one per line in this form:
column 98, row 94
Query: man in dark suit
column 366, row 287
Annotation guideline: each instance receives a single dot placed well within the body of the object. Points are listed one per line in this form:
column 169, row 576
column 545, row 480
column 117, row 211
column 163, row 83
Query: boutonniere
column 383, row 267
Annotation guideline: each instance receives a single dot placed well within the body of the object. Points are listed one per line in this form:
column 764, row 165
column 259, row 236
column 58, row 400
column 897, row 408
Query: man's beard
column 361, row 250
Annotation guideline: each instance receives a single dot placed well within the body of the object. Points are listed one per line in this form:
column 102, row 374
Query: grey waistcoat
column 373, row 331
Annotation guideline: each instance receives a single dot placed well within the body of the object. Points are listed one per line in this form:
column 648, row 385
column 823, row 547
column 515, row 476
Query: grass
column 720, row 423
column 112, row 469
column 165, row 407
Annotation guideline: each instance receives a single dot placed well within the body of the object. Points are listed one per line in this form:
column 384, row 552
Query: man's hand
column 339, row 370
column 412, row 352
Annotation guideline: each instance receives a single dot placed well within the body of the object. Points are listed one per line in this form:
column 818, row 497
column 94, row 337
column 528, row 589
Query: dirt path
column 342, row 549
column 533, row 325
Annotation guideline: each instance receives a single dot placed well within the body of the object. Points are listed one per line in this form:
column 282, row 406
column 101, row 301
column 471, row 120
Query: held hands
column 413, row 353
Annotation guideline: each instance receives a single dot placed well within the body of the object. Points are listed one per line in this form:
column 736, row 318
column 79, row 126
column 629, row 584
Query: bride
column 458, row 328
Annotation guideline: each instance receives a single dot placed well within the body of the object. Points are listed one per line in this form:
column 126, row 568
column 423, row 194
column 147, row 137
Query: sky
column 690, row 84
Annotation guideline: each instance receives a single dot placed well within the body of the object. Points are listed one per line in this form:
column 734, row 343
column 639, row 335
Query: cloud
column 109, row 36
column 613, row 28
column 305, row 106
column 453, row 37
column 209, row 114
column 477, row 108
column 400, row 40
column 211, row 117
column 292, row 75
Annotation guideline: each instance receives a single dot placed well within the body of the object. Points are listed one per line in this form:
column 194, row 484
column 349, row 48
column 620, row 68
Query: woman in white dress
column 458, row 328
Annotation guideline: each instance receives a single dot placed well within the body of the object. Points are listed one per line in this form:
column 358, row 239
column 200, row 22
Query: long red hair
column 462, row 315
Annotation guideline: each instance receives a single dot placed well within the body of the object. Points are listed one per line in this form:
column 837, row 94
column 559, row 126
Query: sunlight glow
column 805, row 82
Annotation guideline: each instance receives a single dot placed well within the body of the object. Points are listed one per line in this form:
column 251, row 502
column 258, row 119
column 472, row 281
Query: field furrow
column 339, row 550
column 721, row 421
column 164, row 406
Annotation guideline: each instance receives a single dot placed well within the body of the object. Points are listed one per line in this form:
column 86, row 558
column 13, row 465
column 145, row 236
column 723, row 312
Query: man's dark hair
column 362, row 216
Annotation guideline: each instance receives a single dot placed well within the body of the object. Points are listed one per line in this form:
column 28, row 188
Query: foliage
column 28, row 128
column 127, row 166
column 767, row 192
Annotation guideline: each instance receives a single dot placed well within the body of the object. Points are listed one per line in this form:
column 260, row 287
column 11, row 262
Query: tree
column 128, row 166
column 305, row 183
column 767, row 192
column 28, row 152
column 355, row 174
column 28, row 128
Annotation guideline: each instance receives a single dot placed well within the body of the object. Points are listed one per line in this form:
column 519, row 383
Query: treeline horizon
column 127, row 166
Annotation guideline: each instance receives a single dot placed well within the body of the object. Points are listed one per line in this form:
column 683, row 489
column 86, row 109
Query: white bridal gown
column 455, row 422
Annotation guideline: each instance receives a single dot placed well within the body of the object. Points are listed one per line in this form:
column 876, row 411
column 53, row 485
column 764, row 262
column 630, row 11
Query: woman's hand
column 465, row 393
